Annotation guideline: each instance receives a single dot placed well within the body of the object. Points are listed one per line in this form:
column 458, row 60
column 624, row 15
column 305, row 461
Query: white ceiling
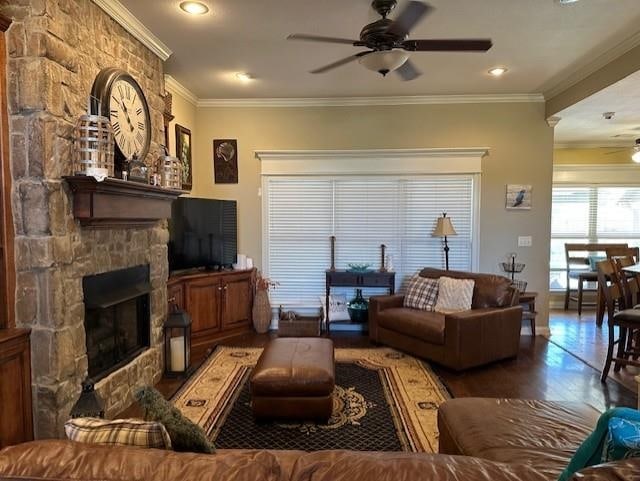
column 540, row 41
column 583, row 123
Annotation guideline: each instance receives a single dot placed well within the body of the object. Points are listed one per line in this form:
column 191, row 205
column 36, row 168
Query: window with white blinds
column 591, row 213
column 301, row 213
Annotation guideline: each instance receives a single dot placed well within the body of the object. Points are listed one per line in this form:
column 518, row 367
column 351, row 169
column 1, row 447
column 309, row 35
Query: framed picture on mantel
column 225, row 161
column 183, row 152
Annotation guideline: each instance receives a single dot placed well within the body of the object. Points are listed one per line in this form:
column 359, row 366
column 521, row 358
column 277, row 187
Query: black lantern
column 89, row 404
column 177, row 343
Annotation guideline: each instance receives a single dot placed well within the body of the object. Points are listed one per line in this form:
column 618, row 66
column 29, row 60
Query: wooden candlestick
column 333, row 253
column 383, row 248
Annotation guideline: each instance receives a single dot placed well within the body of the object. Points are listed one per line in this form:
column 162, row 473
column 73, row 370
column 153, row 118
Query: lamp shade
column 384, row 61
column 444, row 227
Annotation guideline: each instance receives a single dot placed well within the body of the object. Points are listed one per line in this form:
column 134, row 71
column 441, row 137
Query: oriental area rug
column 384, row 400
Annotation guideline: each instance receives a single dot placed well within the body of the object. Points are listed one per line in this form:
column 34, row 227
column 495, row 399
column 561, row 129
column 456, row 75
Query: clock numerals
column 129, row 118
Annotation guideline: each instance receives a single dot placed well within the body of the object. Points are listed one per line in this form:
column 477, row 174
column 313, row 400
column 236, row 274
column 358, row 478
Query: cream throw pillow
column 454, row 295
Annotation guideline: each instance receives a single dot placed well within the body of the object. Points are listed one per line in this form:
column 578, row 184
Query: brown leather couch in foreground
column 480, row 440
column 490, row 331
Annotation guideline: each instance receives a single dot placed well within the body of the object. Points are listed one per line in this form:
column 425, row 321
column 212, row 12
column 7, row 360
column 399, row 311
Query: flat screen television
column 203, row 234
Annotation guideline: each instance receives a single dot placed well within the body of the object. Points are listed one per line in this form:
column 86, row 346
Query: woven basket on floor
column 261, row 311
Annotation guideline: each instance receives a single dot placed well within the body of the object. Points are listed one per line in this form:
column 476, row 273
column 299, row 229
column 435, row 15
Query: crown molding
column 599, row 62
column 367, row 101
column 177, row 87
column 368, row 154
column 592, row 145
column 135, row 27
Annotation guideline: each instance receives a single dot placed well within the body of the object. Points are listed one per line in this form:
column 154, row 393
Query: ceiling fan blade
column 340, row 63
column 448, row 45
column 408, row 71
column 319, row 38
column 408, row 18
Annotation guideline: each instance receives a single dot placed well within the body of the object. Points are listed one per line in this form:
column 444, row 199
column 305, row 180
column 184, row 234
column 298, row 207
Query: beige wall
column 520, row 143
column 184, row 113
column 594, row 156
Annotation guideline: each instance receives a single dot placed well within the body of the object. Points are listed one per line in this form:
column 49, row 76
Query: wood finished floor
column 543, row 370
column 582, row 337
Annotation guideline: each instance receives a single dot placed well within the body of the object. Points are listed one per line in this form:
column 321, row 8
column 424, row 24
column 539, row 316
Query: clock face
column 129, row 117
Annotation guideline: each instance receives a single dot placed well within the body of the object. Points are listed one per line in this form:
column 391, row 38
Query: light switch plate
column 524, row 241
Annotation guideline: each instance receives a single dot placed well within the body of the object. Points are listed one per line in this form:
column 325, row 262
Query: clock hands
column 126, row 113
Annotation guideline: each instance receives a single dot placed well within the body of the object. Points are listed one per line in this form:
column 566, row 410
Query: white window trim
column 595, row 175
column 393, row 163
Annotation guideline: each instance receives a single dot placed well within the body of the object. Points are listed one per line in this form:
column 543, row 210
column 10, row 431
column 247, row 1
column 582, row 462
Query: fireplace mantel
column 115, row 203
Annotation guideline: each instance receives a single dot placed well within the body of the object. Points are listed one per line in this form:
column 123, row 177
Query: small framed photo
column 225, row 161
column 518, row 197
column 183, row 152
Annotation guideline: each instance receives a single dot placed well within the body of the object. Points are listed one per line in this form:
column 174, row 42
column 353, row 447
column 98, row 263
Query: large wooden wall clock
column 121, row 99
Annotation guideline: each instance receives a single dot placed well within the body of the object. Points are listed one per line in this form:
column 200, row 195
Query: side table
column 528, row 302
column 342, row 278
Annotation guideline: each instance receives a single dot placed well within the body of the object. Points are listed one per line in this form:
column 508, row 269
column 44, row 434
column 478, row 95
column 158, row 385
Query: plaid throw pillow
column 119, row 432
column 422, row 293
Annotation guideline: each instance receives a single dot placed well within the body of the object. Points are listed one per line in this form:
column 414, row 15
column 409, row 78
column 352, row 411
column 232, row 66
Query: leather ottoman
column 294, row 380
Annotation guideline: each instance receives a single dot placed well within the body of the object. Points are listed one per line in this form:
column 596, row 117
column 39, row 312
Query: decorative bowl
column 359, row 267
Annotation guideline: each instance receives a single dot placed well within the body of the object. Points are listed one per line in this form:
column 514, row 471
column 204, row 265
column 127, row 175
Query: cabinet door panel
column 203, row 304
column 175, row 295
column 237, row 301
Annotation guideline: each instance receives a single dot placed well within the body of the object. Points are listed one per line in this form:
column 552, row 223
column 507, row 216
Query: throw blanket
column 590, row 451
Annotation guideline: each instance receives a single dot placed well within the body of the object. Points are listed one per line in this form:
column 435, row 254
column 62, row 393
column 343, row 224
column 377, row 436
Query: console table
column 342, row 278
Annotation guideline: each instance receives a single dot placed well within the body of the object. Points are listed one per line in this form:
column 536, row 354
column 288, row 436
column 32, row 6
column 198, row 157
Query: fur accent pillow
column 119, row 432
column 454, row 295
column 185, row 435
column 421, row 293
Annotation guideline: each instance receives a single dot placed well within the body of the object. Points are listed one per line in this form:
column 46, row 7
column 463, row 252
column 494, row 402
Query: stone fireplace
column 55, row 50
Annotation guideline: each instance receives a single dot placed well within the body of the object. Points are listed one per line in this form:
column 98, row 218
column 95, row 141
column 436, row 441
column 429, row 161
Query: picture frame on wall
column 518, row 197
column 184, row 153
column 225, row 161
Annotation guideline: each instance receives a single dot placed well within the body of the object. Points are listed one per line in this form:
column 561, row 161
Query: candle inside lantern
column 177, row 354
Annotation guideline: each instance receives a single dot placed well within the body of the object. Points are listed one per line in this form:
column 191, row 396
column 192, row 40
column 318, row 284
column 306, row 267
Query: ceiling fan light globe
column 636, row 155
column 384, row 61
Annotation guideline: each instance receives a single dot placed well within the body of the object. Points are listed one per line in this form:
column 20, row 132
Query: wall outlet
column 524, row 241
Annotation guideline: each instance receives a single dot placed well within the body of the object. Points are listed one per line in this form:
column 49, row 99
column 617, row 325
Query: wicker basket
column 291, row 324
column 93, row 147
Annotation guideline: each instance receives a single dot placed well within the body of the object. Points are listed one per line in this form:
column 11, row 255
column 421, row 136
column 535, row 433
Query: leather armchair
column 488, row 332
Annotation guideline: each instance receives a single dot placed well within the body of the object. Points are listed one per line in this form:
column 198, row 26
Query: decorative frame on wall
column 518, row 197
column 225, row 161
column 183, row 152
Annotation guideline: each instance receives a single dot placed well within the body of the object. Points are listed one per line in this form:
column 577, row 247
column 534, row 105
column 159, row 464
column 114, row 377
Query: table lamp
column 444, row 228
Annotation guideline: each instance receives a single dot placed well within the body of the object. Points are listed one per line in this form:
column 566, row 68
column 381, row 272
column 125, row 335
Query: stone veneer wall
column 55, row 50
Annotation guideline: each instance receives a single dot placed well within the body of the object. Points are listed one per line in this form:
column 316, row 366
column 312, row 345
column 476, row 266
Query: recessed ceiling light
column 194, row 8
column 244, row 77
column 567, row 2
column 498, row 71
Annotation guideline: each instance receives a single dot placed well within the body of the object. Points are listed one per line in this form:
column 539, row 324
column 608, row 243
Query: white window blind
column 301, row 213
column 591, row 213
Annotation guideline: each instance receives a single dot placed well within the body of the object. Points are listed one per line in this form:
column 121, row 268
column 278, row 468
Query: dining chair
column 580, row 259
column 626, row 320
column 615, row 252
column 631, row 290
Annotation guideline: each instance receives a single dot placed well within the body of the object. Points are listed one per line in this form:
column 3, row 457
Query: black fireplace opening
column 117, row 318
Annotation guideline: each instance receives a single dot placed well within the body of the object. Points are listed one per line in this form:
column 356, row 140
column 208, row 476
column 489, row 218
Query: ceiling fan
column 388, row 43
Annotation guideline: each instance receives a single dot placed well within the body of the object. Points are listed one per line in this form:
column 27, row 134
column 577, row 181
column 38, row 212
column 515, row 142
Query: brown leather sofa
column 490, row 331
column 480, row 440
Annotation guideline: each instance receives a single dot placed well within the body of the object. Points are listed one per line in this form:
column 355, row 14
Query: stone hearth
column 55, row 49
